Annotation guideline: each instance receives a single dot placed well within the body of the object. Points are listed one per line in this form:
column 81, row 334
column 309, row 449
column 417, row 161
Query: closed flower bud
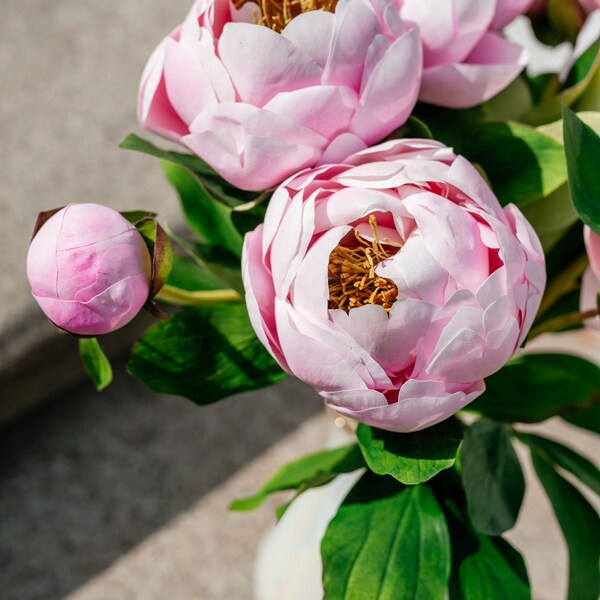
column 89, row 269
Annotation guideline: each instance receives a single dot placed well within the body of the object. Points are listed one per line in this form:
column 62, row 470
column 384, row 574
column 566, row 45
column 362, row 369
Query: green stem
column 563, row 284
column 562, row 322
column 175, row 295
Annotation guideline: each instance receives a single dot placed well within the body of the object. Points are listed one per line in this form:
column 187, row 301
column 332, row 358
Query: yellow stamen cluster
column 352, row 278
column 276, row 14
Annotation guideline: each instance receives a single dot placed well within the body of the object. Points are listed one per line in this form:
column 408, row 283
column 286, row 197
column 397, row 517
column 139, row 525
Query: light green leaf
column 522, row 164
column 187, row 274
column 209, row 219
column 204, row 353
column 309, row 471
column 580, row 526
column 386, row 542
column 582, row 146
column 411, row 458
column 492, row 477
column 95, row 362
column 534, row 387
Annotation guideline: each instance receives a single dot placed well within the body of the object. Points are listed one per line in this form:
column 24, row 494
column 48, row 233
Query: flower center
column 352, row 278
column 276, row 14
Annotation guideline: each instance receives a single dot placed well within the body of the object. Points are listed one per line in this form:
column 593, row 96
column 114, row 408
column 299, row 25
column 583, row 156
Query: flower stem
column 563, row 321
column 175, row 295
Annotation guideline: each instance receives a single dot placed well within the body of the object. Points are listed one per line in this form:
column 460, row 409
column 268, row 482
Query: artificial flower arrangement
column 385, row 205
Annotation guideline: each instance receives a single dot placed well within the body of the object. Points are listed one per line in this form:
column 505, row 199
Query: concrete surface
column 69, row 72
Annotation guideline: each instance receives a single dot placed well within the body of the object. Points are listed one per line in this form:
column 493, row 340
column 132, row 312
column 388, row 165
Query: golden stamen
column 352, row 278
column 276, row 14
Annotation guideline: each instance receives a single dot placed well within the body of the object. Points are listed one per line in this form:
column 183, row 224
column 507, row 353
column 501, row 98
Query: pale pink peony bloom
column 590, row 282
column 466, row 61
column 461, row 276
column 89, row 269
column 258, row 105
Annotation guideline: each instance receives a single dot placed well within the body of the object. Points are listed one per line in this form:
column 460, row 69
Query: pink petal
column 324, row 109
column 391, row 91
column 507, row 11
column 263, row 63
column 489, row 69
column 312, row 31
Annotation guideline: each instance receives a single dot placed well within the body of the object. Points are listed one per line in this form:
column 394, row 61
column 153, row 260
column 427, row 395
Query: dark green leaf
column 580, row 526
column 583, row 65
column 411, row 458
column 522, row 164
column 586, row 419
column 386, row 542
column 492, row 477
column 221, row 263
column 534, row 387
column 483, row 568
column 187, row 274
column 95, row 362
column 209, row 219
column 307, row 472
column 205, row 354
column 248, row 220
column 582, row 147
column 557, row 454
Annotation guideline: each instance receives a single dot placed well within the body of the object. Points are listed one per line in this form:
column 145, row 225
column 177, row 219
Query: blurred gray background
column 123, row 494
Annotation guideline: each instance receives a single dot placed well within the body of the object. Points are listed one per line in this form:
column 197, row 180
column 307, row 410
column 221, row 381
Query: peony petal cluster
column 466, row 60
column 394, row 282
column 259, row 105
column 89, row 269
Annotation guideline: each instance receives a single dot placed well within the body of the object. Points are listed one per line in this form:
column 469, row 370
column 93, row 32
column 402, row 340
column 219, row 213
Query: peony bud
column 89, row 269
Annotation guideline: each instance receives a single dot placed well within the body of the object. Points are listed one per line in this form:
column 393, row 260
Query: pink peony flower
column 394, row 283
column 258, row 105
column 590, row 283
column 89, row 269
column 465, row 61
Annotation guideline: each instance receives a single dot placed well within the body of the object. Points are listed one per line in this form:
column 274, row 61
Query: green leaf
column 580, row 526
column 386, row 542
column 582, row 146
column 95, row 362
column 210, row 220
column 215, row 186
column 492, row 477
column 534, row 387
column 204, row 353
column 187, row 274
column 161, row 252
column 483, row 568
column 586, row 419
column 307, row 472
column 411, row 458
column 248, row 220
column 522, row 164
column 562, row 456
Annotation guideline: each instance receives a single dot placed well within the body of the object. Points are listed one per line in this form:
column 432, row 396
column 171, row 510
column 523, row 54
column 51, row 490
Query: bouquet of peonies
column 383, row 203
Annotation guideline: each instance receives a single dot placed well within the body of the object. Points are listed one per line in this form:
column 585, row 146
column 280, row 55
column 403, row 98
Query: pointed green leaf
column 386, row 542
column 586, row 419
column 483, row 568
column 209, row 219
column 580, row 526
column 492, row 477
column 95, row 362
column 204, row 353
column 534, row 387
column 411, row 458
column 582, row 147
column 307, row 472
column 557, row 454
